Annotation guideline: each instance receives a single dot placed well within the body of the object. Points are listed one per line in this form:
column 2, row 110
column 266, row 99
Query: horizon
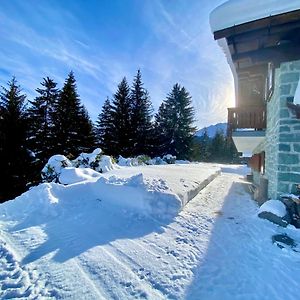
column 103, row 42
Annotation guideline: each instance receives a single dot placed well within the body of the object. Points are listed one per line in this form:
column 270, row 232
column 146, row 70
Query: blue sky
column 102, row 41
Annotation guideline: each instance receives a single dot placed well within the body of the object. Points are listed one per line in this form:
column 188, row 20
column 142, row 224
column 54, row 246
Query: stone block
column 289, row 77
column 289, row 137
column 296, row 147
column 283, row 187
column 296, row 128
column 284, row 129
column 273, row 218
column 284, row 168
column 285, row 89
column 288, row 159
column 284, row 113
column 289, row 122
column 295, row 66
column 284, row 147
column 289, row 177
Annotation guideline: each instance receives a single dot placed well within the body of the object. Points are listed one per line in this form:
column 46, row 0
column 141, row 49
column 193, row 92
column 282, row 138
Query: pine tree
column 141, row 110
column 218, row 150
column 41, row 123
column 120, row 112
column 175, row 123
column 15, row 158
column 205, row 147
column 104, row 127
column 86, row 133
column 162, row 131
column 71, row 122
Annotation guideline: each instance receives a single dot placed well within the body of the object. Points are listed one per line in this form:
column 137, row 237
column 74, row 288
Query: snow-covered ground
column 72, row 242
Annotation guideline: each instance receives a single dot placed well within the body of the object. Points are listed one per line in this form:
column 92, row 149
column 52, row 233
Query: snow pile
column 71, row 175
column 157, row 191
column 275, row 207
column 95, row 161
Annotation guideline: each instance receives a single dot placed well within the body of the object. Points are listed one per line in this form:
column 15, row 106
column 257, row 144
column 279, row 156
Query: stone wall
column 282, row 144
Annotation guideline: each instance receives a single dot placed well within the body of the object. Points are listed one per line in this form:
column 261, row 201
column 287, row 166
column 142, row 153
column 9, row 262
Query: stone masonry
column 282, row 142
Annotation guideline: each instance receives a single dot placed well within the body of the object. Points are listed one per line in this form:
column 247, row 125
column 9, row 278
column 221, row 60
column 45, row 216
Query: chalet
column 261, row 40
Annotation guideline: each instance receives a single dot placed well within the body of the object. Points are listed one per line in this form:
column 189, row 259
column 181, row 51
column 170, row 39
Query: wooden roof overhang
column 254, row 44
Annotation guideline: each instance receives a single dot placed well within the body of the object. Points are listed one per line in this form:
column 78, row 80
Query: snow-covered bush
column 91, row 160
column 95, row 161
column 143, row 159
column 169, row 159
column 127, row 162
column 53, row 168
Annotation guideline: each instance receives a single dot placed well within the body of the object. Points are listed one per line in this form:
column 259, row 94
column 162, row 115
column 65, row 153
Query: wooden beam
column 276, row 54
column 268, row 31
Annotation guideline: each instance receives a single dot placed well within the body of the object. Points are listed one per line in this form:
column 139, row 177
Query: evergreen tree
column 86, row 133
column 15, row 158
column 41, row 123
column 141, row 110
column 174, row 123
column 218, row 147
column 120, row 112
column 104, row 127
column 71, row 122
column 162, row 131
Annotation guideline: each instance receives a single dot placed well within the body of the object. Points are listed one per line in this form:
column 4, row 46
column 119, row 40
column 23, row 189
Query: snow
column 57, row 163
column 236, row 12
column 275, row 207
column 72, row 175
column 71, row 242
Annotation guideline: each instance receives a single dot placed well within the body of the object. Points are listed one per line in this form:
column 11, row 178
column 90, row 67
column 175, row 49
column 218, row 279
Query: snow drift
column 156, row 191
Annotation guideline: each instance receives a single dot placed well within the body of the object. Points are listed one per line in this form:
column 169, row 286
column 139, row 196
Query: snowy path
column 216, row 248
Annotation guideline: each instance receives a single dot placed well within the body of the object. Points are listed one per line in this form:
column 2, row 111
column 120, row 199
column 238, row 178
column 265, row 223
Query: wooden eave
column 267, row 22
column 272, row 39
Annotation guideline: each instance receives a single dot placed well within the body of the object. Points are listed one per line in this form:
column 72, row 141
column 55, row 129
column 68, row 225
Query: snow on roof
column 236, row 12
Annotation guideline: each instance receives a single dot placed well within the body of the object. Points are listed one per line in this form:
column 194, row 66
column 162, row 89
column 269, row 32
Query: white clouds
column 178, row 47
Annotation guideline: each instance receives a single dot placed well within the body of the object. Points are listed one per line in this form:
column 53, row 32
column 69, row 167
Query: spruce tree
column 218, row 150
column 175, row 123
column 104, row 127
column 41, row 113
column 86, row 133
column 141, row 110
column 162, row 131
column 121, row 142
column 15, row 158
column 71, row 122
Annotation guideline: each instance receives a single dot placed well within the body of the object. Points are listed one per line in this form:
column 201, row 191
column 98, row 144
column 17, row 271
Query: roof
column 237, row 12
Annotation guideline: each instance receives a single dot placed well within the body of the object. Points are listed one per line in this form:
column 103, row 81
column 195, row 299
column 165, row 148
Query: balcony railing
column 246, row 117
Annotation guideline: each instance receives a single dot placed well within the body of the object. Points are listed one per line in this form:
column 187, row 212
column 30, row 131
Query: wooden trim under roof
column 267, row 22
